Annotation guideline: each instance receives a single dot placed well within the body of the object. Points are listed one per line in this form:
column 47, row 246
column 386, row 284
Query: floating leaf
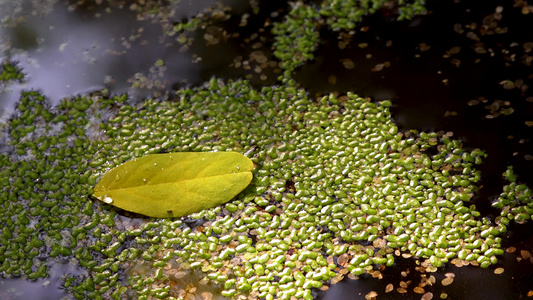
column 175, row 184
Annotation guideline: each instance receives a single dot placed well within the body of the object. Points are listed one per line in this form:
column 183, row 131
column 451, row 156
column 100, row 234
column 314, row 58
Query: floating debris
column 447, row 281
column 429, row 296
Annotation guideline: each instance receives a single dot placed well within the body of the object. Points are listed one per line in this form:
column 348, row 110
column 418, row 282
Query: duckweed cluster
column 515, row 202
column 336, row 190
column 10, row 72
column 296, row 37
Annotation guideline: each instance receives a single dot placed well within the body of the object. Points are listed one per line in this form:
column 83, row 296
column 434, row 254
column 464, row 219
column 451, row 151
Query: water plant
column 10, row 72
column 515, row 202
column 296, row 36
column 336, row 190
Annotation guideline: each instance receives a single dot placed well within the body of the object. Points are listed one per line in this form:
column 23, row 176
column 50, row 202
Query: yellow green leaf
column 175, row 184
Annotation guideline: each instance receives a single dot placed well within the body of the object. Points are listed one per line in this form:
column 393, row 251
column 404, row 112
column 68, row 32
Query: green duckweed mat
column 337, row 190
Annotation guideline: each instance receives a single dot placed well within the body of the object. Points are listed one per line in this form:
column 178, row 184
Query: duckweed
column 296, row 36
column 10, row 73
column 377, row 187
column 515, row 202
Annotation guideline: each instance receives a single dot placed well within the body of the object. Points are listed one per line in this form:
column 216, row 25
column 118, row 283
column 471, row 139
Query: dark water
column 40, row 289
column 469, row 282
column 428, row 67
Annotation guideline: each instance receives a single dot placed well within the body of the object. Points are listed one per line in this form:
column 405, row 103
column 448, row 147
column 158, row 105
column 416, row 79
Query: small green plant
column 9, row 72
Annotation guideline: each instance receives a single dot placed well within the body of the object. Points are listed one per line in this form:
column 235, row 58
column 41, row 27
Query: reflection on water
column 41, row 289
column 65, row 51
column 70, row 51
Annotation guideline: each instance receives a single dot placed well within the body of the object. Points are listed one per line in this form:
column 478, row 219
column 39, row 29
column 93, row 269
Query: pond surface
column 40, row 289
column 435, row 66
column 67, row 49
column 465, row 67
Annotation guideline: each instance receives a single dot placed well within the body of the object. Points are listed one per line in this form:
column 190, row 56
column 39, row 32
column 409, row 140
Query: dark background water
column 430, row 67
column 414, row 80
